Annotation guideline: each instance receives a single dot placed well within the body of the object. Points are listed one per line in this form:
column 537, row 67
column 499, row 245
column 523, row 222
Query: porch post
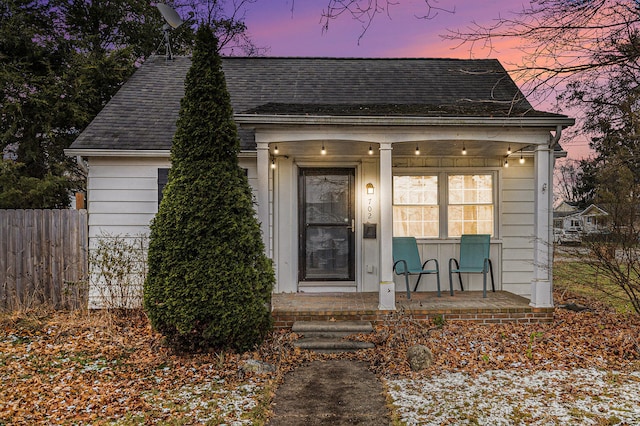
column 387, row 291
column 262, row 197
column 541, row 286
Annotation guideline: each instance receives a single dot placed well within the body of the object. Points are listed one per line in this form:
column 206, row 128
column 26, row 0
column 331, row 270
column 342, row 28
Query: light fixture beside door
column 370, row 188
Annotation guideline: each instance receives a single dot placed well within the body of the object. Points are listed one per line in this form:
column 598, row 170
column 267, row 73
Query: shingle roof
column 142, row 115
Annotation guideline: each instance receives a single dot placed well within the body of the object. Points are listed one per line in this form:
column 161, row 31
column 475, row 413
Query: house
column 345, row 153
column 570, row 224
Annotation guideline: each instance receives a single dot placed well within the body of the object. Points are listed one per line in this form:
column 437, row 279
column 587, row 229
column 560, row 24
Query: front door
column 327, row 232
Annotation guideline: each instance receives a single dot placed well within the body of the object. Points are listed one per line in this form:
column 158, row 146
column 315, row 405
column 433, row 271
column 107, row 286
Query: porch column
column 387, row 292
column 541, row 286
column 263, row 194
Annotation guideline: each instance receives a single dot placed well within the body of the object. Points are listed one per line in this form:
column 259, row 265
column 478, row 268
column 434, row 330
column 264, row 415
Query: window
column 470, row 206
column 443, row 205
column 415, row 206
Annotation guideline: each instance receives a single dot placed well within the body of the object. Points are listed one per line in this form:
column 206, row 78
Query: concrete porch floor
column 498, row 307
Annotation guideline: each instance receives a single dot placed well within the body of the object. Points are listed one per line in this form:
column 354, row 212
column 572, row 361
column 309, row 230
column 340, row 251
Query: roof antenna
column 173, row 21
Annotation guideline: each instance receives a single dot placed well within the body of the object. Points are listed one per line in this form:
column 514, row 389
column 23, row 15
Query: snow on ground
column 577, row 397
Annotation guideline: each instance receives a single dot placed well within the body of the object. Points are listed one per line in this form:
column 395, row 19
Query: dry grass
column 100, row 368
column 581, row 279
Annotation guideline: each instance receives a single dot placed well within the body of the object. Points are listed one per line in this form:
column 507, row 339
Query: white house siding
column 369, row 212
column 517, row 231
column 285, row 221
column 122, row 194
column 122, row 199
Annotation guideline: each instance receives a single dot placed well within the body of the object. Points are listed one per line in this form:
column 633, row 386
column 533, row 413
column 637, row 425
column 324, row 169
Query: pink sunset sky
column 285, row 32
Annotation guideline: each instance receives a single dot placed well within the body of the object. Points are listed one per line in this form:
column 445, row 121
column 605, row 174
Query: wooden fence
column 43, row 258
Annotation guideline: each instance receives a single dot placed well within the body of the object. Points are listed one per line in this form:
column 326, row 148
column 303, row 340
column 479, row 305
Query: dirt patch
column 334, row 392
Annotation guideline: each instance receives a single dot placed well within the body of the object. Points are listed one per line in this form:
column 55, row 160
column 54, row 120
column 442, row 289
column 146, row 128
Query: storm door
column 327, row 228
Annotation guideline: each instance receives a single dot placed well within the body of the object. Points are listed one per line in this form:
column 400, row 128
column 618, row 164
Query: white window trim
column 443, row 194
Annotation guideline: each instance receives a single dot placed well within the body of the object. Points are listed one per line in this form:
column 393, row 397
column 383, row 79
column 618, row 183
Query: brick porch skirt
column 498, row 307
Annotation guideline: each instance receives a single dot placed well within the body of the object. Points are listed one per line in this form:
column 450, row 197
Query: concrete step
column 351, row 327
column 329, row 336
column 328, row 345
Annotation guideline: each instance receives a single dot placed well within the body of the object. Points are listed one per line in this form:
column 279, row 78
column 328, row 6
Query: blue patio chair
column 474, row 259
column 406, row 261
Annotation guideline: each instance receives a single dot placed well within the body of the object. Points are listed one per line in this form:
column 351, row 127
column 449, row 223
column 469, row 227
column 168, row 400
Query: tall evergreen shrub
column 209, row 281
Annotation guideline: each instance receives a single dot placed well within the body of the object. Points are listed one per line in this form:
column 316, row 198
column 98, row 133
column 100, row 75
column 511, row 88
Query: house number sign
column 369, row 228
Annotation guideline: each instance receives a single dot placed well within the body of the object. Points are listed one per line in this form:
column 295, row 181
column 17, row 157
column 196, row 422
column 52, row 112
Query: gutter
column 116, row 152
column 162, row 153
column 255, row 119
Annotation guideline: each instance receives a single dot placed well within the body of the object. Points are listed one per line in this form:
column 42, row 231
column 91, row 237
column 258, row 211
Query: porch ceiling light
column 464, row 150
column 370, row 150
column 509, row 150
column 370, row 188
column 417, row 150
column 521, row 159
column 323, row 151
column 273, row 163
column 506, row 162
column 275, row 149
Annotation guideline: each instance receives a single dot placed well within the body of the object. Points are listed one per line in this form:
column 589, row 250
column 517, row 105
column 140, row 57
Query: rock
column 257, row 367
column 574, row 307
column 419, row 357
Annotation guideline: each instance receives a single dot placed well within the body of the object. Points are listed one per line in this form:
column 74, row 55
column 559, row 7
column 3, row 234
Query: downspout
column 556, row 137
column 552, row 163
column 81, row 164
column 81, row 197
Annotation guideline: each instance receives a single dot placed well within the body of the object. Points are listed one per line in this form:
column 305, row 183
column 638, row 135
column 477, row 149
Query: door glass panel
column 327, row 254
column 327, row 199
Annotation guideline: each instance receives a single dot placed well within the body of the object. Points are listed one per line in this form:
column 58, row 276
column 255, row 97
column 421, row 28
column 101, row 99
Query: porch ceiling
column 430, row 148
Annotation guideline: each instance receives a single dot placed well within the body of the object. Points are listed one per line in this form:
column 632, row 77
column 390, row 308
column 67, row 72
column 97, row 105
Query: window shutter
column 163, row 175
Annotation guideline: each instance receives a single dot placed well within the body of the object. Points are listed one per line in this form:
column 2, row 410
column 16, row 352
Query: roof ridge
column 345, row 58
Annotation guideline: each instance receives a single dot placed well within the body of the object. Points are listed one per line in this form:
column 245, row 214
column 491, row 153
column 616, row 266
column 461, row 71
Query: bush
column 117, row 268
column 209, row 281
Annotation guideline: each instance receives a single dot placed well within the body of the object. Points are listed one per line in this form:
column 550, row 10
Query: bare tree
column 566, row 176
column 227, row 19
column 615, row 256
column 562, row 41
column 366, row 11
column 612, row 108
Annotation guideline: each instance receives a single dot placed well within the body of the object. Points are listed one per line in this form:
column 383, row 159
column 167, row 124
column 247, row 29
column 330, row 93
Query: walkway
column 335, row 392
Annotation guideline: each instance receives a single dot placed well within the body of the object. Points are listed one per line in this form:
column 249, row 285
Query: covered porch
column 452, row 150
column 498, row 307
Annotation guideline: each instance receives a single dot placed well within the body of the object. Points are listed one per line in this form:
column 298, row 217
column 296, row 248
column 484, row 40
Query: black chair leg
column 459, row 276
column 493, row 286
column 450, row 280
column 417, row 282
column 406, row 281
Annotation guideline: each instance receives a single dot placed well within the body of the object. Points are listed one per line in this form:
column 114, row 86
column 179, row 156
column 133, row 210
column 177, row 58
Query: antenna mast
column 173, row 21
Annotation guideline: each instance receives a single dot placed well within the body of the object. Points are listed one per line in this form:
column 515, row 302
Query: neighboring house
column 594, row 220
column 571, row 224
column 343, row 154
